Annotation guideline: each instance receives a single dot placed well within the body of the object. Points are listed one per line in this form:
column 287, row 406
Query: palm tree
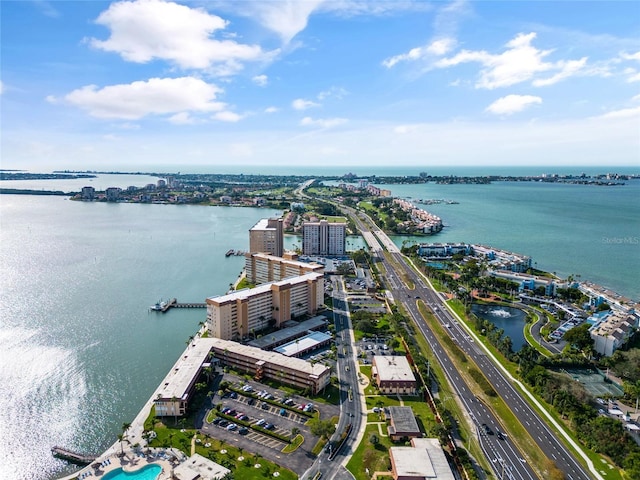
column 294, row 431
column 121, row 439
column 174, row 399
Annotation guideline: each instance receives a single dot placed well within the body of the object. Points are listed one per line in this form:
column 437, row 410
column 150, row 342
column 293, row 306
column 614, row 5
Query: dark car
column 243, row 431
column 217, row 420
column 487, row 429
column 233, row 395
column 251, row 401
column 265, row 405
column 223, row 423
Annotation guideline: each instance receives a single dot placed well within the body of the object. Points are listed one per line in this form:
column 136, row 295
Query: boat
column 159, row 306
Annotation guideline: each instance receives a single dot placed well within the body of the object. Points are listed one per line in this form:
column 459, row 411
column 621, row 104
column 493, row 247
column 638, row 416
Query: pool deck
column 133, row 460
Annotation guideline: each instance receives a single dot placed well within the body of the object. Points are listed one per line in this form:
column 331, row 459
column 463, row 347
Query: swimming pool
column 148, row 472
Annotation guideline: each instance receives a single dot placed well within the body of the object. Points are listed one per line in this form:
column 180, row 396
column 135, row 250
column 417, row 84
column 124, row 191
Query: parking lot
column 280, row 420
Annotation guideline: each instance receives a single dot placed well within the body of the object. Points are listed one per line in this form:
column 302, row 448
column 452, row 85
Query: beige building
column 324, row 238
column 423, row 460
column 393, row 375
column 177, row 389
column 264, row 268
column 267, row 236
column 271, row 365
column 235, row 315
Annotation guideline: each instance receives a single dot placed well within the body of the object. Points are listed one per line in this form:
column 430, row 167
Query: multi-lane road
column 506, row 460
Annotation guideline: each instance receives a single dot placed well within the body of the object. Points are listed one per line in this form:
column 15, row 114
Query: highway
column 506, row 460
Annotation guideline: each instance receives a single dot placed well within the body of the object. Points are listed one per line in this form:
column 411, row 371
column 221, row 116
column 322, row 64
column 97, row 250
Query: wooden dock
column 237, row 253
column 173, row 303
column 72, row 456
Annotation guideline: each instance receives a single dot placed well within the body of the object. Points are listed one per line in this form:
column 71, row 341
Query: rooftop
column 280, row 336
column 393, row 368
column 176, row 383
column 424, row 459
column 303, row 344
column 403, row 420
column 266, row 287
column 274, row 358
column 199, row 467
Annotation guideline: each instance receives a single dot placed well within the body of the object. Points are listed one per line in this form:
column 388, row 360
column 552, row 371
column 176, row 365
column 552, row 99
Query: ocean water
column 80, row 353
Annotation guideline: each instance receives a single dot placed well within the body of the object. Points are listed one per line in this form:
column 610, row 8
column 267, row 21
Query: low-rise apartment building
column 262, row 364
column 393, row 375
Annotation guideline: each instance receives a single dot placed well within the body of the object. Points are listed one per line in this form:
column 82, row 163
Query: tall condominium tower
column 267, row 236
column 323, row 238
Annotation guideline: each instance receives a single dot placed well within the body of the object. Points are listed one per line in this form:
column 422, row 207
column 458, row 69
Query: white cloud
column 182, row 118
column 157, row 96
column 520, row 62
column 322, row 122
column 512, row 104
column 144, row 30
column 227, row 116
column 438, row 47
column 286, row 18
column 260, row 80
column 335, row 92
column 302, row 104
column 633, row 75
column 623, row 113
column 271, row 110
column 567, row 69
column 636, row 98
column 630, row 56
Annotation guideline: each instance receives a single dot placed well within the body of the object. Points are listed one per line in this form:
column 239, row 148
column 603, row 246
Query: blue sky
column 128, row 84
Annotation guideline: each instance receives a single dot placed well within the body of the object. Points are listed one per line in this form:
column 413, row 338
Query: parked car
column 283, row 412
column 261, row 422
column 232, row 426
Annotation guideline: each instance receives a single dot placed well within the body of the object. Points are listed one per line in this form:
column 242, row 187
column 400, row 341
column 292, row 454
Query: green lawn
column 369, row 456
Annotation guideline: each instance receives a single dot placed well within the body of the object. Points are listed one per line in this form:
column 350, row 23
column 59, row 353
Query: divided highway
column 506, row 460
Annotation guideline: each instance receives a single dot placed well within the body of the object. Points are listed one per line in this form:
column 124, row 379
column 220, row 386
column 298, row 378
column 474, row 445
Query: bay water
column 80, row 352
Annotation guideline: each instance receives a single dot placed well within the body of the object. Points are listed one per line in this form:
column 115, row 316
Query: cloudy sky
column 128, row 84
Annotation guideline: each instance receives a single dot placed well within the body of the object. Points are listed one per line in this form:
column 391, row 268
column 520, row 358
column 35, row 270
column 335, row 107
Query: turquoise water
column 148, row 472
column 81, row 353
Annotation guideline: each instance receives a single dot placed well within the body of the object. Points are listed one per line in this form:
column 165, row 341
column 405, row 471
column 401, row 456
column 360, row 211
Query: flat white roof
column 273, row 358
column 303, row 343
column 199, row 467
column 265, row 287
column 177, row 381
column 393, row 368
column 425, row 459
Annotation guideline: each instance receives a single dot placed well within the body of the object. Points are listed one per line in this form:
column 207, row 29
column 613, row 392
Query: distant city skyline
column 107, row 85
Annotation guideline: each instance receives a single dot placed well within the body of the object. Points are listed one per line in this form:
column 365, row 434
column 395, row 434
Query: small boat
column 159, row 306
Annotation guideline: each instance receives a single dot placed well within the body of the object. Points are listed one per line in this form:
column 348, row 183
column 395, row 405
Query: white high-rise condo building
column 324, row 238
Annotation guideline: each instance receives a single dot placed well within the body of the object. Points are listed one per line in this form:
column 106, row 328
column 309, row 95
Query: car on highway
column 487, row 429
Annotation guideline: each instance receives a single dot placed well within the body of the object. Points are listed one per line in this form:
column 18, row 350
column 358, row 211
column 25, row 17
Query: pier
column 238, row 253
column 162, row 307
column 72, row 456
